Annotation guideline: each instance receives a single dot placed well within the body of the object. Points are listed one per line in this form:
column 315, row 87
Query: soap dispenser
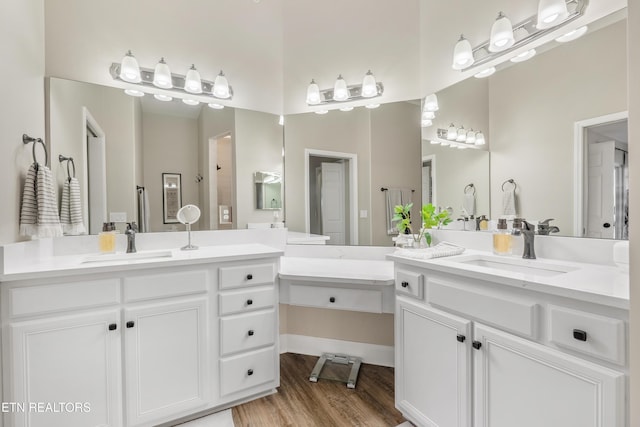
column 502, row 239
column 107, row 238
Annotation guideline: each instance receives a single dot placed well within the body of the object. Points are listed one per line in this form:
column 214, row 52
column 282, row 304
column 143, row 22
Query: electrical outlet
column 117, row 216
column 364, row 213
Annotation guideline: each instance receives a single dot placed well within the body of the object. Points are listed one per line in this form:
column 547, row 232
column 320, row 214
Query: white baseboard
column 370, row 353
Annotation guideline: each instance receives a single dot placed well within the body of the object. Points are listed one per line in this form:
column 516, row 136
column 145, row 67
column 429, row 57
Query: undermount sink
column 128, row 257
column 516, row 265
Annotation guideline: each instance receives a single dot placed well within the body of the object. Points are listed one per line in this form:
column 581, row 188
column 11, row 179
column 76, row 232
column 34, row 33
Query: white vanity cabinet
column 474, row 353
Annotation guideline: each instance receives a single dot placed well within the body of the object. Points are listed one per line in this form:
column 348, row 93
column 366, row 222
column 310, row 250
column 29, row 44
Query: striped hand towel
column 39, row 213
column 70, row 208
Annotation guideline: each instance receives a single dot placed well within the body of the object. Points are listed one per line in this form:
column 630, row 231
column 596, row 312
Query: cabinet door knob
column 249, row 276
column 332, row 299
column 249, row 301
column 579, row 335
column 130, row 324
column 405, row 284
column 113, row 327
column 250, row 372
column 476, row 345
column 250, row 333
column 461, row 338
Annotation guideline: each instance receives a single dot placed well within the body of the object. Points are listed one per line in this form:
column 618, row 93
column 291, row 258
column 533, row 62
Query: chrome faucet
column 130, row 232
column 544, row 229
column 528, row 231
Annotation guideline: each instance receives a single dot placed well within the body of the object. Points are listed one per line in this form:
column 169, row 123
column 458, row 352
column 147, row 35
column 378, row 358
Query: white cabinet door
column 524, row 384
column 166, row 360
column 433, row 372
column 66, row 371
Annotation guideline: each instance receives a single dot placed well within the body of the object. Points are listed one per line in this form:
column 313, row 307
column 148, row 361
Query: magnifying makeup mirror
column 187, row 215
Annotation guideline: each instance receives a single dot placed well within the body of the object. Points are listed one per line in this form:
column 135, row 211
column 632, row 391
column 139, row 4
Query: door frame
column 579, row 170
column 353, row 188
column 434, row 193
column 88, row 121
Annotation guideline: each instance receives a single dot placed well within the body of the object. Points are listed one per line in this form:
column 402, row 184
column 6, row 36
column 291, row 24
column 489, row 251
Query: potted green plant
column 430, row 219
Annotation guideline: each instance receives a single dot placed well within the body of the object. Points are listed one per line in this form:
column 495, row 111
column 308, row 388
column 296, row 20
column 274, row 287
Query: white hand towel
column 39, row 211
column 469, row 203
column 143, row 210
column 71, row 209
column 393, row 198
column 509, row 202
column 442, row 249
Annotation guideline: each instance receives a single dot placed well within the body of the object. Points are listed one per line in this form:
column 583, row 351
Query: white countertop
column 600, row 284
column 298, row 238
column 56, row 266
column 335, row 270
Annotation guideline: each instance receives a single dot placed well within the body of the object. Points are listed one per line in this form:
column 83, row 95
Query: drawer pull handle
column 405, row 284
column 130, row 324
column 249, row 276
column 476, row 345
column 249, row 301
column 113, row 327
column 579, row 335
column 250, row 372
column 461, row 338
column 332, row 299
column 250, row 333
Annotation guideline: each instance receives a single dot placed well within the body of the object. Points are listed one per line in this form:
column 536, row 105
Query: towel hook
column 470, row 186
column 510, row 181
column 26, row 139
column 62, row 158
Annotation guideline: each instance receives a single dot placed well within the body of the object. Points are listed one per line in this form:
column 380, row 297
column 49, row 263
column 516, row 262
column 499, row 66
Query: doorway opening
column 221, row 182
column 95, row 173
column 429, row 179
column 331, row 196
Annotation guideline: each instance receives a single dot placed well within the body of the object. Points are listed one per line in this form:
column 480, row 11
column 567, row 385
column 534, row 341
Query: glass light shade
column 452, row 132
column 551, row 12
column 471, row 137
column 524, row 56
column 313, row 93
column 371, row 106
column 322, row 111
column 133, row 92
column 369, row 86
column 215, row 106
column 501, row 34
column 485, row 73
column 461, row 135
column 192, row 82
column 340, row 90
column 163, row 98
column 346, row 109
column 190, row 101
column 129, row 69
column 431, row 103
column 162, row 75
column 221, row 87
column 462, row 54
column 480, row 138
column 426, row 123
column 572, row 35
column 428, row 115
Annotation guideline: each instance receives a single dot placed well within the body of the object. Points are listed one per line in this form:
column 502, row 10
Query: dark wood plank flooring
column 326, row 403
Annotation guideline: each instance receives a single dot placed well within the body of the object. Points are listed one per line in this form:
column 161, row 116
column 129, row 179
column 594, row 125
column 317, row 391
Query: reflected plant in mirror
column 429, row 217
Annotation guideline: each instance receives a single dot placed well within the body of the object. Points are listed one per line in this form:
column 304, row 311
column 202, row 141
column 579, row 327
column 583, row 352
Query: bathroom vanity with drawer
column 141, row 342
column 484, row 347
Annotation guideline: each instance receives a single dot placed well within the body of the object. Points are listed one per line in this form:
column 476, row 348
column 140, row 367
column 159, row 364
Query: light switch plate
column 117, row 216
column 364, row 213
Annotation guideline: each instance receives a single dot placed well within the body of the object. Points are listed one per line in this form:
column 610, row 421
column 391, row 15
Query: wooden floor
column 300, row 402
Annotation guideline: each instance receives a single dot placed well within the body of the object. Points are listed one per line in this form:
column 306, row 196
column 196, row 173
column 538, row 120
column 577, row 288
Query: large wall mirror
column 123, row 146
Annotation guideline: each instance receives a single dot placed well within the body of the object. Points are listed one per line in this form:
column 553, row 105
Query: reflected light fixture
column 192, row 82
column 129, row 69
column 426, row 123
column 524, row 56
column 462, row 54
column 161, row 97
column 346, row 108
column 461, row 134
column 372, row 106
column 428, row 115
column 369, row 87
column 501, row 34
column 133, row 92
column 190, row 101
column 162, row 75
column 340, row 90
column 471, row 137
column 459, row 138
column 452, row 132
column 434, row 142
column 573, row 35
column 551, row 13
column 215, row 106
column 221, row 87
column 322, row 112
column 281, row 120
column 480, row 138
column 485, row 73
column 431, row 103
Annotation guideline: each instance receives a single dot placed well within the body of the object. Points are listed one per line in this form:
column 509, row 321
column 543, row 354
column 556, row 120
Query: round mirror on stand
column 187, row 215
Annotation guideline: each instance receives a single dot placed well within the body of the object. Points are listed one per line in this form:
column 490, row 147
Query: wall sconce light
column 552, row 14
column 341, row 92
column 161, row 77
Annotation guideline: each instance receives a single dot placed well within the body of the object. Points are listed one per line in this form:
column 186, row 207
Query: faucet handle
column 132, row 226
column 545, row 222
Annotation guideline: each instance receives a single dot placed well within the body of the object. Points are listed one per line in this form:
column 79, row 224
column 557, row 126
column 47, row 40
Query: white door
column 333, row 203
column 97, row 173
column 433, row 372
column 67, row 359
column 166, row 360
column 600, row 190
column 524, row 384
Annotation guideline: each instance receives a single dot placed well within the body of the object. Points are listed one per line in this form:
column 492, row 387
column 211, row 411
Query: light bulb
column 133, row 92
column 501, row 34
column 369, row 86
column 572, row 35
column 431, row 103
column 462, row 54
column 313, row 93
column 192, row 82
column 221, row 87
column 162, row 75
column 340, row 90
column 129, row 69
column 452, row 132
column 551, row 13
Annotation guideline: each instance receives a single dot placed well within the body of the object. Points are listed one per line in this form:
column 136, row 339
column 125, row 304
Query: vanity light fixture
column 341, row 92
column 551, row 13
column 162, row 75
column 190, row 101
column 480, row 138
column 431, row 103
column 163, row 98
column 485, row 73
column 460, row 139
column 133, row 92
column 346, row 109
column 313, row 93
column 524, row 56
column 322, row 112
column 462, row 54
column 461, row 134
column 451, row 132
column 501, row 34
column 192, row 82
column 426, row 123
column 471, row 137
column 573, row 35
column 215, row 106
column 372, row 106
column 428, row 115
column 130, row 70
column 369, row 87
column 221, row 87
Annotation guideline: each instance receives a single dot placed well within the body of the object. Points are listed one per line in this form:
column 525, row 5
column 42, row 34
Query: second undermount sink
column 516, row 265
column 128, row 257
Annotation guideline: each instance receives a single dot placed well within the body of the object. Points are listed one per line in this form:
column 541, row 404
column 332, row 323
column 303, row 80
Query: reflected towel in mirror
column 394, row 197
column 469, row 204
column 509, row 202
column 143, row 210
column 71, row 208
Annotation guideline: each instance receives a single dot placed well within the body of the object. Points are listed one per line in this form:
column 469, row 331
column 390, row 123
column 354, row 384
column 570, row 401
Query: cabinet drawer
column 63, row 296
column 246, row 371
column 592, row 334
column 246, row 275
column 169, row 284
column 410, row 283
column 336, row 298
column 246, row 331
column 246, row 300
